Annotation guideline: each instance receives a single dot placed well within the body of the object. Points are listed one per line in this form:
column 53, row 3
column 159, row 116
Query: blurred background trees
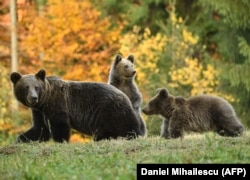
column 190, row 47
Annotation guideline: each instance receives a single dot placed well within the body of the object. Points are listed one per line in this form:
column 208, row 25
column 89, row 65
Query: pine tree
column 231, row 35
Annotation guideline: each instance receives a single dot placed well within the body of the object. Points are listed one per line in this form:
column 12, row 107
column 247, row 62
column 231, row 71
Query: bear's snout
column 146, row 110
column 32, row 100
column 132, row 74
column 129, row 74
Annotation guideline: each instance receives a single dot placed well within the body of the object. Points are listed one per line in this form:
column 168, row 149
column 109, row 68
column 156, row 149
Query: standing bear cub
column 198, row 114
column 92, row 108
column 122, row 76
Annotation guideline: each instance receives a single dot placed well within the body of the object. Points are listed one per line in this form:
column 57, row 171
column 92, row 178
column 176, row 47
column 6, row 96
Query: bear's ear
column 15, row 77
column 131, row 58
column 163, row 92
column 179, row 100
column 118, row 58
column 41, row 74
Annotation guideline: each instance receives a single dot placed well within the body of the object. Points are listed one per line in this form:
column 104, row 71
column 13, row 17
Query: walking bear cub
column 198, row 114
column 92, row 108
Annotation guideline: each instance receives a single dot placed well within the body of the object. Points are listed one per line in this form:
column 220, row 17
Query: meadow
column 117, row 159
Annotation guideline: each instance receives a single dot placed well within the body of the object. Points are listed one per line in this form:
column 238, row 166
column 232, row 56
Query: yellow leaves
column 228, row 97
column 146, row 33
column 5, row 125
column 173, row 18
column 202, row 79
column 5, row 116
column 146, row 49
column 188, row 37
column 186, row 73
column 180, row 42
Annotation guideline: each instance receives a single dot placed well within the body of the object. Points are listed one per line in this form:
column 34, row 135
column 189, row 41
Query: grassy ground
column 116, row 159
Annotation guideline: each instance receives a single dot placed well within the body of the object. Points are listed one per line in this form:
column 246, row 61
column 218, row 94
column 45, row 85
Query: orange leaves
column 78, row 138
column 6, row 123
column 70, row 38
column 5, row 126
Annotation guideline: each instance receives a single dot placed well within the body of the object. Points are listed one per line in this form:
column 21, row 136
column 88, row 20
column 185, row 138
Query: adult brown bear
column 198, row 113
column 92, row 108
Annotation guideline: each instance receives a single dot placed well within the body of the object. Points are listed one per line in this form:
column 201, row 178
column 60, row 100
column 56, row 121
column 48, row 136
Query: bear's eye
column 26, row 87
column 126, row 66
column 36, row 88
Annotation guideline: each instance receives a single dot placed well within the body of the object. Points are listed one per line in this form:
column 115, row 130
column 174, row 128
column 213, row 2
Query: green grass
column 116, row 159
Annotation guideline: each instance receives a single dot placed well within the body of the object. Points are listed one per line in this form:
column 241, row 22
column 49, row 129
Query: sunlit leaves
column 78, row 138
column 188, row 37
column 146, row 48
column 5, row 94
column 189, row 75
column 202, row 79
column 70, row 38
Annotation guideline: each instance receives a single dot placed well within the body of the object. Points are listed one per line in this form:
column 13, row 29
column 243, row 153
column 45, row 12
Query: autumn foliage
column 146, row 48
column 73, row 40
column 68, row 38
column 188, row 73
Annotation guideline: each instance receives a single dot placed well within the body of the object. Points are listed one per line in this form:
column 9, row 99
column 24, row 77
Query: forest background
column 189, row 46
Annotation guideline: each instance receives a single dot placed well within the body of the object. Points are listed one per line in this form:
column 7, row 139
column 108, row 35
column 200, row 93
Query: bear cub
column 198, row 114
column 92, row 108
column 122, row 76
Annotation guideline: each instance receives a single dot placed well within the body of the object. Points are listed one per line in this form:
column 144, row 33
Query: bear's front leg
column 60, row 132
column 175, row 128
column 175, row 133
column 38, row 132
column 164, row 128
column 34, row 134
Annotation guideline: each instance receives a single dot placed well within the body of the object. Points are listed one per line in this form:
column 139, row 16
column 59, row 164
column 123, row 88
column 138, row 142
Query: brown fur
column 198, row 114
column 92, row 108
column 122, row 76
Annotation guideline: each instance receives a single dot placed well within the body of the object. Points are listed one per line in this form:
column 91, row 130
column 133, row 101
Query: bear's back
column 85, row 89
column 96, row 105
column 96, row 90
column 209, row 103
column 209, row 108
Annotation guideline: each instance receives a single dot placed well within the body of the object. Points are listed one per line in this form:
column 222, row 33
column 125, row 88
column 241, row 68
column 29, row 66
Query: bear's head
column 162, row 103
column 29, row 89
column 123, row 67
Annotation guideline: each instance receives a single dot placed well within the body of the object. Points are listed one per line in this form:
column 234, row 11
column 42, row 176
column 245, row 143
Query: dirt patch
column 10, row 149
